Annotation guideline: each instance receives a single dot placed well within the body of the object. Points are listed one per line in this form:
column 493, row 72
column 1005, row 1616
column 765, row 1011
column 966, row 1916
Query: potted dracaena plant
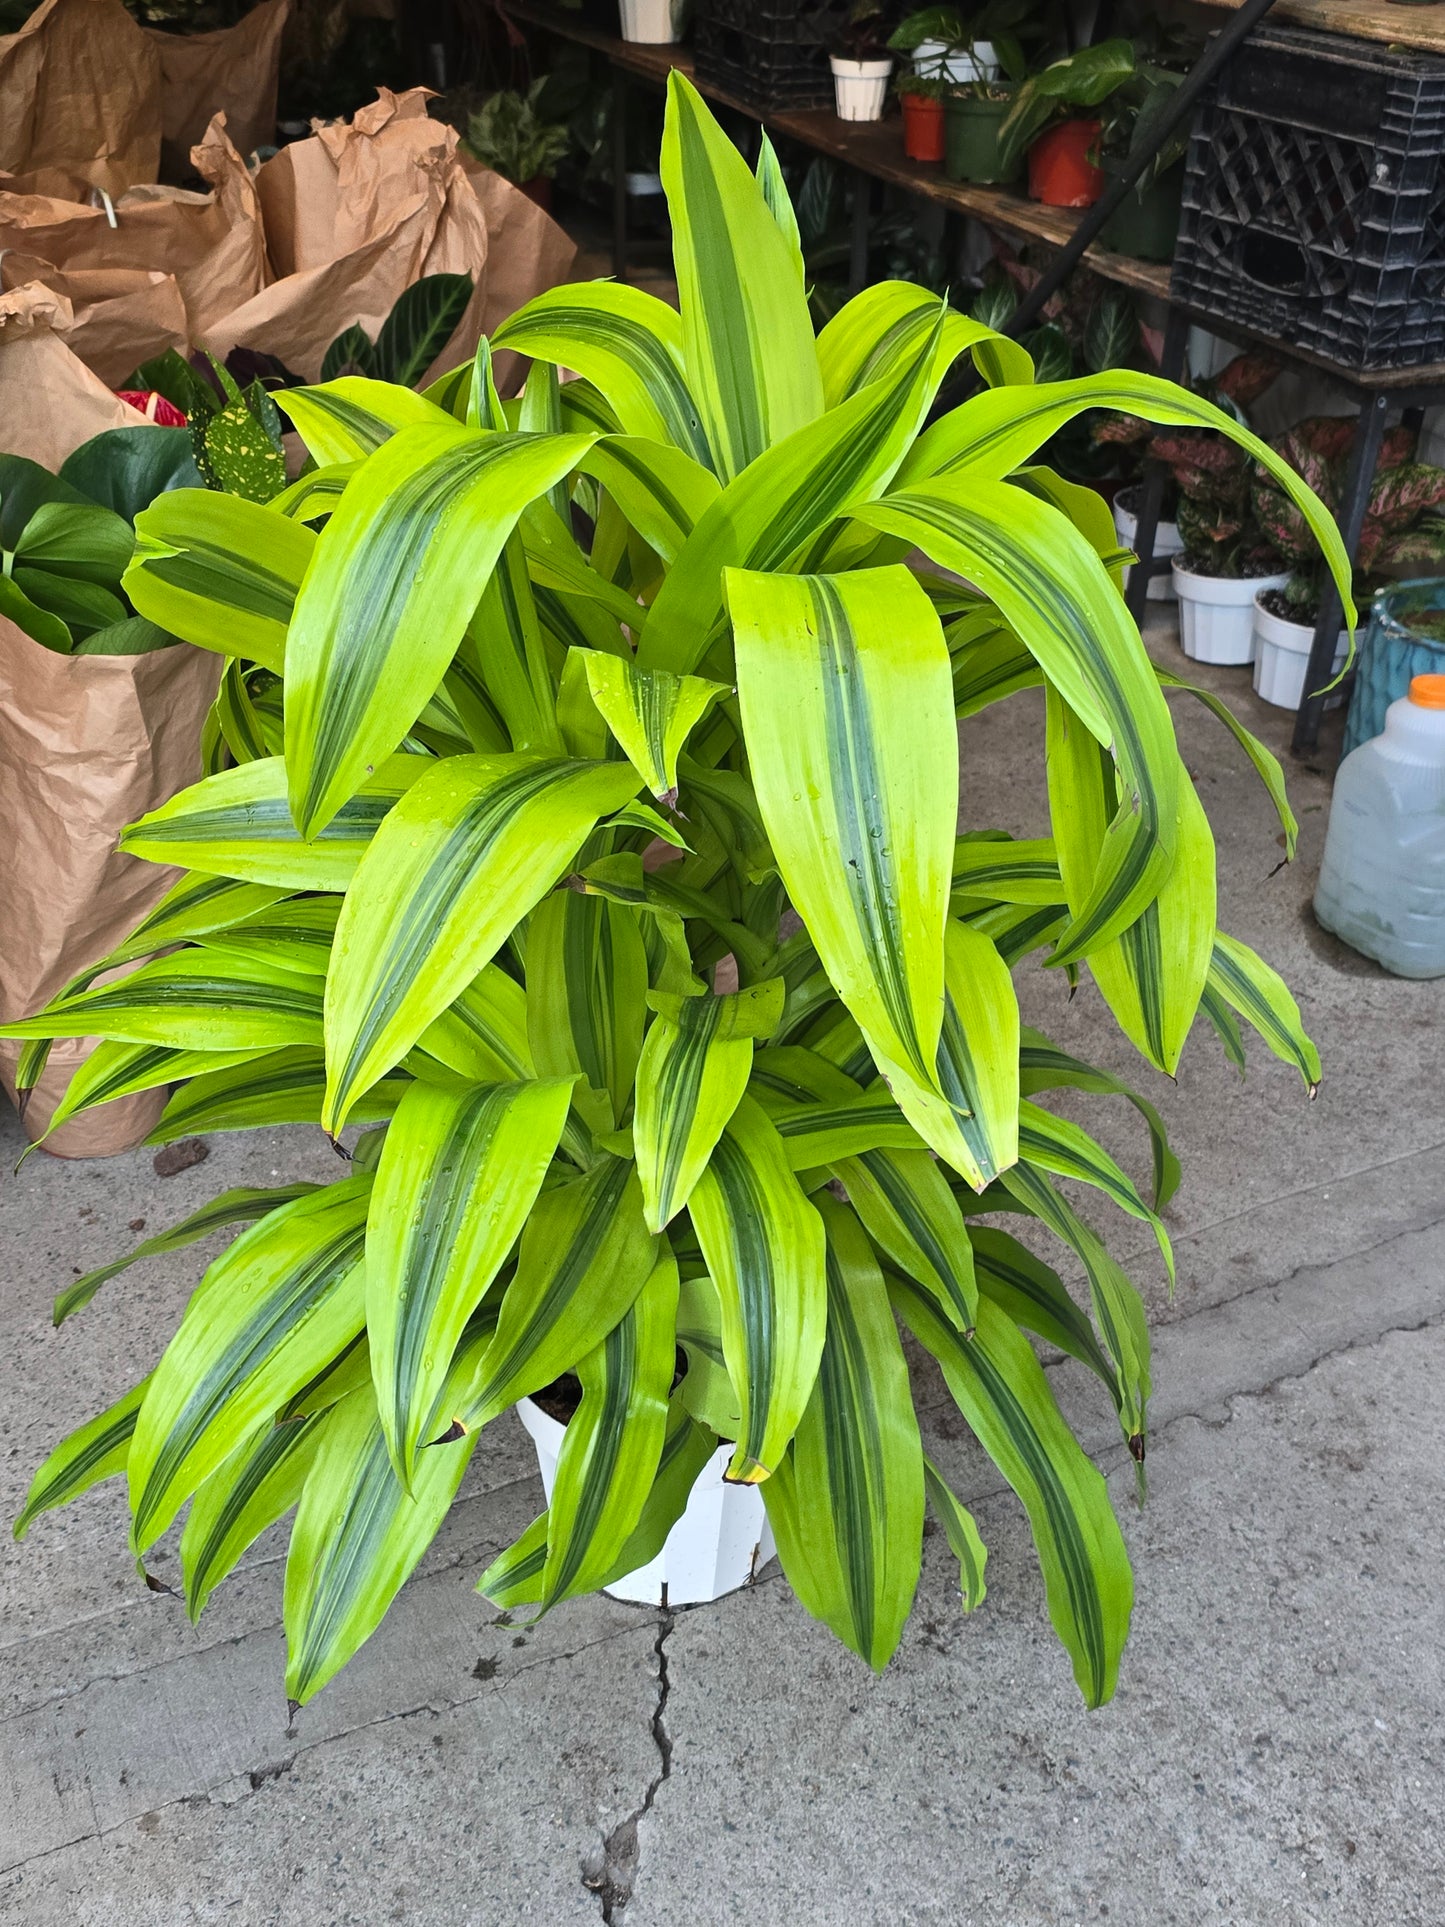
column 610, row 885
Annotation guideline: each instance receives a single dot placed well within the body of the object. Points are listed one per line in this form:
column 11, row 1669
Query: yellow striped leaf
column 251, row 1490
column 763, row 1244
column 474, row 846
column 887, row 324
column 962, row 1535
column 650, row 712
column 348, row 419
column 1249, row 985
column 587, row 1000
column 94, row 1451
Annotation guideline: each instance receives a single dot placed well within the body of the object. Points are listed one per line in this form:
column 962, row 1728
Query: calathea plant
column 612, row 884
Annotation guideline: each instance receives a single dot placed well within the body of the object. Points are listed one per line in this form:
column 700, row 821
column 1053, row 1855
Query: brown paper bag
column 80, row 95
column 50, row 402
column 120, row 316
column 233, row 72
column 87, row 743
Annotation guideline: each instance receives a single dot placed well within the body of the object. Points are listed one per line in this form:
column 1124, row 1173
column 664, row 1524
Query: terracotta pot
column 1060, row 171
column 922, row 127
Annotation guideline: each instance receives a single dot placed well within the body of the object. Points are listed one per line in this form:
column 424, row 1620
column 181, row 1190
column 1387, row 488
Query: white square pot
column 721, row 1542
column 1167, row 543
column 1282, row 658
column 1216, row 614
column 979, row 62
column 649, row 23
column 860, row 87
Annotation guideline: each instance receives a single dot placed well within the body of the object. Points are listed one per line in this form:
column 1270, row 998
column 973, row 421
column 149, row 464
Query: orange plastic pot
column 922, row 127
column 1060, row 171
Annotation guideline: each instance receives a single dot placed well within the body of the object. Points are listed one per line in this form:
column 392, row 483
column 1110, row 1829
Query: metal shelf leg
column 1171, row 366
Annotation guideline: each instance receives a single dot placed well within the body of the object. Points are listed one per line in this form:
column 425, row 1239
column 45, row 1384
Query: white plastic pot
column 1282, row 658
column 1166, row 543
column 653, row 23
column 722, row 1541
column 979, row 62
column 860, row 87
column 1216, row 614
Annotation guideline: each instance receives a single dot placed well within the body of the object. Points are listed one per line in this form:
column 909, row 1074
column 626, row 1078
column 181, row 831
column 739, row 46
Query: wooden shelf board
column 1422, row 28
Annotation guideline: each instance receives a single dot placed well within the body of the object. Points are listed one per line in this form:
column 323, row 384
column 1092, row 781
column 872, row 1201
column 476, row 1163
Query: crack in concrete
column 610, row 1870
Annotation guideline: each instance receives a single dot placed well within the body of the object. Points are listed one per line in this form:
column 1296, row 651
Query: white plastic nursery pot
column 979, row 62
column 1282, row 657
column 1216, row 614
column 1166, row 543
column 650, row 22
column 721, row 1542
column 860, row 87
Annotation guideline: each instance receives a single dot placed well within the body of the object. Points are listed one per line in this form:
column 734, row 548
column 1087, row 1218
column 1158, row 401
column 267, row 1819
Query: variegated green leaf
column 511, row 655
column 459, row 1172
column 1051, row 589
column 398, row 571
column 1044, row 1067
column 238, row 824
column 280, row 1087
column 1002, row 1392
column 854, row 1504
column 848, row 718
column 1266, row 763
column 1249, row 985
column 650, row 712
column 913, row 1218
column 120, row 1070
column 628, row 344
column 747, row 337
column 94, row 1451
column 285, row 1298
column 613, row 1442
column 475, row 845
column 587, row 1000
column 962, row 1535
column 692, row 1074
column 482, row 1034
column 1033, row 1295
column 240, row 1206
column 348, row 419
column 251, row 1490
column 585, row 1255
column 887, row 324
column 220, row 572
column 1008, row 871
column 662, row 492
column 762, row 1241
column 190, row 1001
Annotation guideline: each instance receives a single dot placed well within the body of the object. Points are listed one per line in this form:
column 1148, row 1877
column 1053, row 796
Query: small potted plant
column 1145, row 225
column 943, row 47
column 1060, row 142
column 509, row 135
column 1402, row 532
column 861, row 65
column 921, row 97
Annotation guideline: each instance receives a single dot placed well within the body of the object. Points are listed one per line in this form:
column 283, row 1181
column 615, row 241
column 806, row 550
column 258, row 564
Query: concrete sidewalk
column 1275, row 1751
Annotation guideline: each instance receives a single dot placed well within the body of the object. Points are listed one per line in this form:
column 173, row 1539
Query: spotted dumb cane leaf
column 478, row 841
column 692, row 1074
column 459, row 1172
column 1001, row 1390
column 276, row 1306
column 398, row 571
column 762, row 1241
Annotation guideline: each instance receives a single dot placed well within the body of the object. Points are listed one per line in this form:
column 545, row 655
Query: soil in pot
column 560, row 1399
column 923, row 136
column 1061, row 173
column 971, row 139
column 1146, row 226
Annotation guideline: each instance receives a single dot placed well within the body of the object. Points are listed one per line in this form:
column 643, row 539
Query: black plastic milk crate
column 768, row 54
column 1314, row 199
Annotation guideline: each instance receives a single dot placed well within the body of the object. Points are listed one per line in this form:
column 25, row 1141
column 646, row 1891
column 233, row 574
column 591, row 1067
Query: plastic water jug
column 1382, row 884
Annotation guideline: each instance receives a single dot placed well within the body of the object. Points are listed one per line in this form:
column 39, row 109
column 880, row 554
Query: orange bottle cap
column 1427, row 692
